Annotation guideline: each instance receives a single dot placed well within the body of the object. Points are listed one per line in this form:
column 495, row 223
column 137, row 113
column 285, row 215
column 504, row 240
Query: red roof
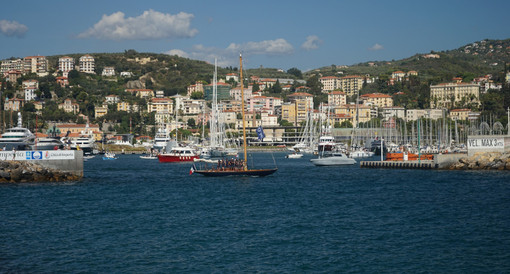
column 375, row 95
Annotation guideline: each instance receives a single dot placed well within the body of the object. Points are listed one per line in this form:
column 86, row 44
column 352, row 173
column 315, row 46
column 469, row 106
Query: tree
column 197, row 95
column 191, row 123
column 296, row 72
column 314, row 84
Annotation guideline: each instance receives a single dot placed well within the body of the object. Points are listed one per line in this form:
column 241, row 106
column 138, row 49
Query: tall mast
column 242, row 109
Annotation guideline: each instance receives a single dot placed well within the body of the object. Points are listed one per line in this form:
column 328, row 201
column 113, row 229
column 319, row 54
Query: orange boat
column 399, row 156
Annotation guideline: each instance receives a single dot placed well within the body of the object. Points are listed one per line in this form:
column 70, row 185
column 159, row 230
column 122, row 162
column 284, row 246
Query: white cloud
column 178, row 52
column 376, row 47
column 267, row 47
column 312, row 42
column 229, row 56
column 149, row 25
column 12, row 28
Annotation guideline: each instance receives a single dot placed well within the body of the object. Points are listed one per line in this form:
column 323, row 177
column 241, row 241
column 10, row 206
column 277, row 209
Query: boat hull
column 333, row 161
column 223, row 173
column 168, row 158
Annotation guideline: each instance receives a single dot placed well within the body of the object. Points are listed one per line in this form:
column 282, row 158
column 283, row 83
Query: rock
column 16, row 175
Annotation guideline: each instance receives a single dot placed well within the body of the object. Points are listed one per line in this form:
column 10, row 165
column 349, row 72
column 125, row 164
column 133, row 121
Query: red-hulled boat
column 179, row 154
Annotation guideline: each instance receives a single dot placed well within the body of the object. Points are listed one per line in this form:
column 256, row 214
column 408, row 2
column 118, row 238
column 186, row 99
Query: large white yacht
column 18, row 138
column 85, row 141
column 161, row 139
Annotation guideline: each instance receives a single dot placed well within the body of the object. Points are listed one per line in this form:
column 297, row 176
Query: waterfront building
column 295, row 111
column 460, row 114
column 434, row 114
column 87, row 64
column 449, row 95
column 394, row 111
column 364, row 112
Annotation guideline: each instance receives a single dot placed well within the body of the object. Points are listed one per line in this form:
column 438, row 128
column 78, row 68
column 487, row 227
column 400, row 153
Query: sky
column 273, row 34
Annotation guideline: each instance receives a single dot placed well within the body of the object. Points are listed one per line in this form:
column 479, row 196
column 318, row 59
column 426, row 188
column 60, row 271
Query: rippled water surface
column 136, row 215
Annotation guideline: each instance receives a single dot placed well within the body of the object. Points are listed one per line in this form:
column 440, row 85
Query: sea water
column 137, row 215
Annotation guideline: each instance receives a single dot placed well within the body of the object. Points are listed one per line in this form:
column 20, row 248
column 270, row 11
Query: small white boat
column 109, row 156
column 294, row 156
column 149, row 157
column 333, row 159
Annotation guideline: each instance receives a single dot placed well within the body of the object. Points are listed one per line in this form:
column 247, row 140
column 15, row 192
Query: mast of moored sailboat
column 245, row 166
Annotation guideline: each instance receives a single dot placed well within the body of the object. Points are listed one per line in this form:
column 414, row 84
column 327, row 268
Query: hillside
column 469, row 61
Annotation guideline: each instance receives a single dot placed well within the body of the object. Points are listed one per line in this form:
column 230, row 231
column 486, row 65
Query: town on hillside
column 127, row 107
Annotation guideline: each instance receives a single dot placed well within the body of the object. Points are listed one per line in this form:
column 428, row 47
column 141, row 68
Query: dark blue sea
column 140, row 216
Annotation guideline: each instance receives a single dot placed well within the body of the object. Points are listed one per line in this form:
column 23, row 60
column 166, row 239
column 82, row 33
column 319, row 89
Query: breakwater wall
column 61, row 164
column 483, row 161
column 488, row 143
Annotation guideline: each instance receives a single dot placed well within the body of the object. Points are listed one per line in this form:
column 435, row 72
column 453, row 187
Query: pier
column 425, row 164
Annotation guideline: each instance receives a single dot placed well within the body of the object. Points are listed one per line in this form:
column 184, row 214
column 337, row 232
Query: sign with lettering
column 486, row 143
column 36, row 155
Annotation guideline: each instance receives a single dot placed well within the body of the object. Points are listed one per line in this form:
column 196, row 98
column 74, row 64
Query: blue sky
column 275, row 34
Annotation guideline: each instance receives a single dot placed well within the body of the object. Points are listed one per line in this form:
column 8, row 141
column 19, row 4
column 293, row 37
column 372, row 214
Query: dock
column 424, row 164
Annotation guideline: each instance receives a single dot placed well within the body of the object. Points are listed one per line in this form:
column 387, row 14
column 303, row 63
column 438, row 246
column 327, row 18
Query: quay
column 425, row 164
column 49, row 164
column 441, row 161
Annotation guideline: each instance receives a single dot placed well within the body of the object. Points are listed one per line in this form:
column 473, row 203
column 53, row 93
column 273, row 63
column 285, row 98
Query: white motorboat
column 18, row 138
column 333, row 159
column 361, row 153
column 294, row 156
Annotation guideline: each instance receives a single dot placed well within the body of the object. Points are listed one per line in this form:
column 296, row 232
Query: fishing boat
column 241, row 169
column 109, row 156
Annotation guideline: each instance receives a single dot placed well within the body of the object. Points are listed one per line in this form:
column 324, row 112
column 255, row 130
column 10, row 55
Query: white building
column 108, row 71
column 434, row 114
column 449, row 95
column 87, row 64
column 65, row 64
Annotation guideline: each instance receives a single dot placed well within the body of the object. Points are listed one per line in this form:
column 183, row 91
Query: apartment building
column 449, row 95
column 36, row 64
column 14, row 64
column 329, row 83
column 160, row 105
column 127, row 107
column 351, row 84
column 336, row 98
column 434, row 114
column 460, row 114
column 302, row 96
column 65, row 64
column 100, row 111
column 29, row 89
column 364, row 113
column 377, row 99
column 87, row 64
column 111, row 99
column 295, row 111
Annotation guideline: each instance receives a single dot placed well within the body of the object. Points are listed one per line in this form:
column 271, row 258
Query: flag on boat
column 260, row 133
column 192, row 169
